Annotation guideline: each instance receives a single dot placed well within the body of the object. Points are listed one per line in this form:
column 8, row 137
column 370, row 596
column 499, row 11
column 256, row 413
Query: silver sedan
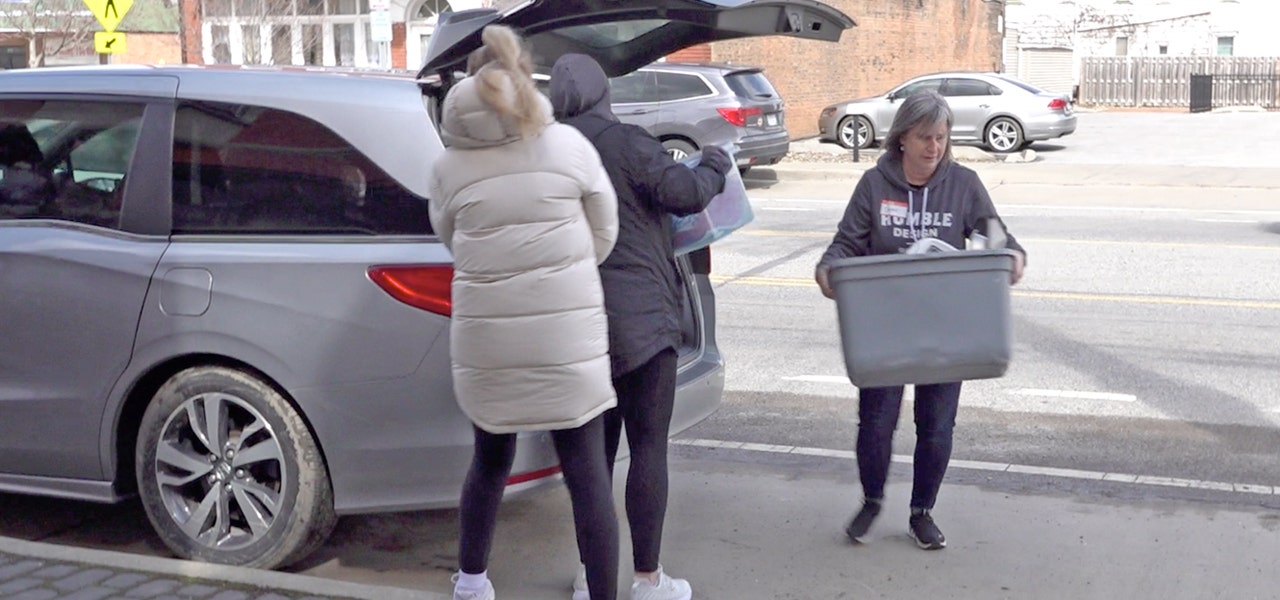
column 998, row 111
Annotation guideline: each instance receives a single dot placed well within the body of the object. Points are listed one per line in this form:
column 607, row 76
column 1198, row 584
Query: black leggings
column 646, row 397
column 586, row 476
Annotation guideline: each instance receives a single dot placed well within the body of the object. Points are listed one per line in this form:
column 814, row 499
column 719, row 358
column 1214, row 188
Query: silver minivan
column 220, row 291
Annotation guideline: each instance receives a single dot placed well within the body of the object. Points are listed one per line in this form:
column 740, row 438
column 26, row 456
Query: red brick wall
column 699, row 53
column 399, row 56
column 150, row 49
column 894, row 40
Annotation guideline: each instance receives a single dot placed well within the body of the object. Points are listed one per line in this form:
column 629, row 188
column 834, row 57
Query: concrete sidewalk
column 758, row 524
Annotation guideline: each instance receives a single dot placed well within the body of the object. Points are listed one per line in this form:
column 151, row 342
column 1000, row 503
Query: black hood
column 578, row 87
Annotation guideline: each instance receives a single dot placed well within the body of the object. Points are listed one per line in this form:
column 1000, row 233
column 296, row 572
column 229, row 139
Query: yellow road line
column 801, row 282
column 1028, row 241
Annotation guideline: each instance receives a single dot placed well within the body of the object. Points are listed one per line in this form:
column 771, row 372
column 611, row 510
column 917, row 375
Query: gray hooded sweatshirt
column 886, row 214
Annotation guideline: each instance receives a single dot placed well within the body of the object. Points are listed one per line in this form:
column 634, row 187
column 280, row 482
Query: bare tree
column 50, row 27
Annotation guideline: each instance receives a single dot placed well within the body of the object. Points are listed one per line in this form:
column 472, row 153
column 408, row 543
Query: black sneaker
column 925, row 532
column 861, row 523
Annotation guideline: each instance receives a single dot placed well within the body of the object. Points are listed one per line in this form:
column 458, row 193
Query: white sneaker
column 484, row 593
column 580, row 591
column 667, row 588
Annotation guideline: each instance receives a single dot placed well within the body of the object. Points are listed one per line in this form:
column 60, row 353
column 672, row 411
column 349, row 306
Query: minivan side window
column 251, row 170
column 681, row 86
column 66, row 159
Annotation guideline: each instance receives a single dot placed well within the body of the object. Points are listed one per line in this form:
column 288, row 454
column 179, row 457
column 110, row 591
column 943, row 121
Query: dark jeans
column 582, row 459
column 646, row 397
column 878, row 409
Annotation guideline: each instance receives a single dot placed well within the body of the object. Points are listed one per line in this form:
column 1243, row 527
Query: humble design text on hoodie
column 886, row 214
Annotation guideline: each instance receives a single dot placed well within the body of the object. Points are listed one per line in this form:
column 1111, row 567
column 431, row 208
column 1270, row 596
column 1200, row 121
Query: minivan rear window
column 750, row 84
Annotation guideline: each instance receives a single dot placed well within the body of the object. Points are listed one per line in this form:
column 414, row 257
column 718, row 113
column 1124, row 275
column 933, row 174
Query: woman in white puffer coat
column 528, row 211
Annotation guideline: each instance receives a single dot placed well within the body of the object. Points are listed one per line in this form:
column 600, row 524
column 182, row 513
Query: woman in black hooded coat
column 642, row 294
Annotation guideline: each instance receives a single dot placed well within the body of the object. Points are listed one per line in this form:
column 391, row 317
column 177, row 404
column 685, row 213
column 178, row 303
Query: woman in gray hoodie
column 915, row 191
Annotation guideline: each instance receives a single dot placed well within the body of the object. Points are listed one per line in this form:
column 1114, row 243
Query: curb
column 267, row 580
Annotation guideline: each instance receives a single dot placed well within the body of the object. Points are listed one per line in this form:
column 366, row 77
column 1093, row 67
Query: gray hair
column 925, row 106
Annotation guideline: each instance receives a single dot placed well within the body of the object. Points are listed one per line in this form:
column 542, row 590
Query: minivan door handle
column 641, row 111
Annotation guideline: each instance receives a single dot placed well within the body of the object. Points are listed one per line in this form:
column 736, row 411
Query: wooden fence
column 1166, row 80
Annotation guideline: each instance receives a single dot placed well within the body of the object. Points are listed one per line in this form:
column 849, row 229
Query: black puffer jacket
column 642, row 292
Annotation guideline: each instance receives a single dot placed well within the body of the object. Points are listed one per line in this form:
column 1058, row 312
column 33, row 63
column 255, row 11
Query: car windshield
column 750, row 84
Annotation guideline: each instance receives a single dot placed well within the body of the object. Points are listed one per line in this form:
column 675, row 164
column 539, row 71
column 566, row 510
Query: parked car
column 220, row 290
column 998, row 111
column 690, row 106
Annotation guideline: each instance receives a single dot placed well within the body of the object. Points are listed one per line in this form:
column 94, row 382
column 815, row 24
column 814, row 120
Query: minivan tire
column 213, row 504
column 678, row 148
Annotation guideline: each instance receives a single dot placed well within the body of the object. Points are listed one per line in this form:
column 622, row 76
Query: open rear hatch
column 624, row 35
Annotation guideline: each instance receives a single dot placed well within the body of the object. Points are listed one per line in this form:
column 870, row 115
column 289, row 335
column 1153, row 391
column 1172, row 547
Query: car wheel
column 229, row 473
column 855, row 130
column 1003, row 135
column 678, row 149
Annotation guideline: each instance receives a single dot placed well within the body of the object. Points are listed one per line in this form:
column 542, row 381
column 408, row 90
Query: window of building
column 221, row 35
column 344, row 43
column 281, row 45
column 249, row 170
column 254, row 8
column 1226, row 45
column 1164, row 49
column 432, row 8
column 1122, row 46
column 310, row 7
column 312, row 45
column 66, row 160
column 252, row 36
column 349, row 7
column 216, row 8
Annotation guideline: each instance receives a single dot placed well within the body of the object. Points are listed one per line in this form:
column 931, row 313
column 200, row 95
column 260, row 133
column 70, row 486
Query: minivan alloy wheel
column 228, row 472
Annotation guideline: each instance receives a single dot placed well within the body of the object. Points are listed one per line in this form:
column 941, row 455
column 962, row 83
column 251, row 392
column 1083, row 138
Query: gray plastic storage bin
column 924, row 318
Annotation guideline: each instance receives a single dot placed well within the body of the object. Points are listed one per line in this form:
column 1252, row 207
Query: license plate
column 771, row 120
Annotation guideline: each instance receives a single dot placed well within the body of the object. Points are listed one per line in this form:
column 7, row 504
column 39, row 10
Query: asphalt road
column 1146, row 328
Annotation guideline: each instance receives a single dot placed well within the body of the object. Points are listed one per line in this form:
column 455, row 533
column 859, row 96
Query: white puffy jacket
column 528, row 221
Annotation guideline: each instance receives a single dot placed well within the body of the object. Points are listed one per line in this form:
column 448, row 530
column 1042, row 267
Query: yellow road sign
column 108, row 42
column 109, row 12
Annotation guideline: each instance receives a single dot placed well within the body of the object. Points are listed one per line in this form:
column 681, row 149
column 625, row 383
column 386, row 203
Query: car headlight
column 828, row 111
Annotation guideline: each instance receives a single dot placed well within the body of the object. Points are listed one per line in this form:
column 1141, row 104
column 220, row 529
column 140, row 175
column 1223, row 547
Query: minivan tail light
column 420, row 286
column 742, row 116
column 1057, row 104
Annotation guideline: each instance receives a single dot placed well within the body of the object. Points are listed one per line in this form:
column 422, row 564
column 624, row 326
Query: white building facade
column 1045, row 40
column 350, row 33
